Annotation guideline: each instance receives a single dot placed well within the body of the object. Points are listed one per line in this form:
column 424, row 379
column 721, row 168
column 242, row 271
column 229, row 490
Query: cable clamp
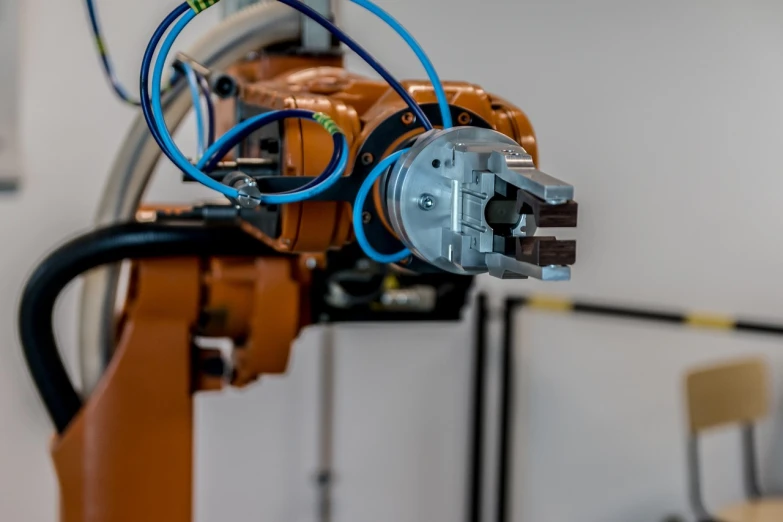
column 248, row 194
column 198, row 68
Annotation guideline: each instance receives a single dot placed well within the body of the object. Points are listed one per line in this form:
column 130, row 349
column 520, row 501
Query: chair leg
column 694, row 482
column 752, row 489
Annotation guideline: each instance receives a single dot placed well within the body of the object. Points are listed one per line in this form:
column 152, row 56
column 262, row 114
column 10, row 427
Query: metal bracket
column 314, row 37
column 505, row 267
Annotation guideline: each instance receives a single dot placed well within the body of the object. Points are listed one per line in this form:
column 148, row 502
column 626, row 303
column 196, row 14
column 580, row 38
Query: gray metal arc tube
column 252, row 29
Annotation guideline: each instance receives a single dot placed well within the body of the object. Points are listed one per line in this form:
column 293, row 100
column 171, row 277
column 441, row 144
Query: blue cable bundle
column 231, row 138
column 103, row 52
column 326, row 180
column 437, row 85
column 217, row 149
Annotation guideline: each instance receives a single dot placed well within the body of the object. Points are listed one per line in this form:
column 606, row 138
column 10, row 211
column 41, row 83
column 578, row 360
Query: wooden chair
column 733, row 393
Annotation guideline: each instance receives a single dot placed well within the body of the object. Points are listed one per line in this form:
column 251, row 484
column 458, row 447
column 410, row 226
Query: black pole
column 325, row 477
column 475, row 471
column 504, row 468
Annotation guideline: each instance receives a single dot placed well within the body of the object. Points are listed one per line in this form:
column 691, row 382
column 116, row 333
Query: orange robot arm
column 258, row 276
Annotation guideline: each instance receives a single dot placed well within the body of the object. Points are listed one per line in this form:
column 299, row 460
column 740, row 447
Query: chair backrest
column 730, row 393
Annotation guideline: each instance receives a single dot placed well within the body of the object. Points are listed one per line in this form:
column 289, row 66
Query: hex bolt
column 225, row 86
column 426, row 202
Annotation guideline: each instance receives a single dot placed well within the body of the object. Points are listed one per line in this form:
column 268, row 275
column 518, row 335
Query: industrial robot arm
column 360, row 200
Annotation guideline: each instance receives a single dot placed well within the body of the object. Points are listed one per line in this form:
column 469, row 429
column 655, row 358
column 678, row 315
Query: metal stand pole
column 475, row 469
column 325, row 474
column 505, row 443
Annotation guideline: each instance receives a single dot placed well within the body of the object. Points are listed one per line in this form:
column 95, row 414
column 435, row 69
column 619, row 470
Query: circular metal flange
column 372, row 151
column 427, row 173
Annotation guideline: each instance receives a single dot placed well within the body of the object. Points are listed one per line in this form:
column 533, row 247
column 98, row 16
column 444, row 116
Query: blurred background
column 667, row 117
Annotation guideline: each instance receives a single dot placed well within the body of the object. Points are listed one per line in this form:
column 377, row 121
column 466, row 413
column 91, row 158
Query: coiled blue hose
column 196, row 173
column 154, row 114
column 238, row 134
column 152, row 108
column 175, row 153
column 358, row 206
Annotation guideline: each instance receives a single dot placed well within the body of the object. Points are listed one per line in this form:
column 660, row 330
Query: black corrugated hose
column 104, row 246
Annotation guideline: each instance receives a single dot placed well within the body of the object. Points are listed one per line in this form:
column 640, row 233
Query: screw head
column 366, row 217
column 367, row 158
column 311, row 263
column 408, row 118
column 427, row 202
column 464, row 118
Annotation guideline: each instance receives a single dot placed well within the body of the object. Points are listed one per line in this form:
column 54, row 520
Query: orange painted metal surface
column 128, row 456
column 256, row 302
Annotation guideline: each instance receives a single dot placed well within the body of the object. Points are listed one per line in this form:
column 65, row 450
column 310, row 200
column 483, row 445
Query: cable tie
column 201, row 5
column 327, row 123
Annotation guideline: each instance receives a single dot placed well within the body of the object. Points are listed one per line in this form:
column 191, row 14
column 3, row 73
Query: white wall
column 667, row 118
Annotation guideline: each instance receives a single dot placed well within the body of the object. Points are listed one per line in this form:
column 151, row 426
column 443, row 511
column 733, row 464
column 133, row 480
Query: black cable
column 103, row 246
column 206, row 91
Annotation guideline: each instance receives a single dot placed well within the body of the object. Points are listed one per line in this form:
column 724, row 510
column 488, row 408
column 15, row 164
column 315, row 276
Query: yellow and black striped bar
column 689, row 319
